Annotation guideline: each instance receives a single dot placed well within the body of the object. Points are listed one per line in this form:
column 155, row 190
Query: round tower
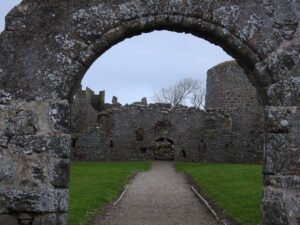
column 229, row 90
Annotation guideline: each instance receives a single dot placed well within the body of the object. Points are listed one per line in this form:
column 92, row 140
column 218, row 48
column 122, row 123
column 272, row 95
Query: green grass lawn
column 235, row 188
column 94, row 184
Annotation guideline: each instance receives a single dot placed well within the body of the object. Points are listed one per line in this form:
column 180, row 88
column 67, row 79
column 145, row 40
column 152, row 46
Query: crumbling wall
column 230, row 130
column 130, row 133
column 83, row 114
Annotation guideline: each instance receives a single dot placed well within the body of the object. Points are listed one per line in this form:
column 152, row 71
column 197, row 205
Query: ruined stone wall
column 131, row 132
column 229, row 89
column 229, row 131
column 83, row 114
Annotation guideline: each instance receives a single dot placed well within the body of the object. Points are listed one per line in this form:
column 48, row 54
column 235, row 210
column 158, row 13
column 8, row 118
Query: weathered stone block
column 285, row 92
column 59, row 173
column 51, row 219
column 59, row 114
column 279, row 119
column 281, row 181
column 296, row 8
column 284, row 12
column 7, row 169
column 280, row 205
column 4, row 98
column 282, row 64
column 227, row 16
column 23, row 122
column 8, row 220
column 27, row 118
column 36, row 200
column 273, row 213
column 55, row 146
column 281, row 155
column 3, row 138
column 37, row 173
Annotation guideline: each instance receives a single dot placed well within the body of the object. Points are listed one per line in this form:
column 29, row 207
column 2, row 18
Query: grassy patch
column 94, row 184
column 235, row 188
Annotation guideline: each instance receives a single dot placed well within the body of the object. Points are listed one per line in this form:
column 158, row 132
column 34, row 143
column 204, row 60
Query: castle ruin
column 229, row 130
column 48, row 46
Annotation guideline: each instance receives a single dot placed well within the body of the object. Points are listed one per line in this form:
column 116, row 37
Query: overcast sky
column 139, row 66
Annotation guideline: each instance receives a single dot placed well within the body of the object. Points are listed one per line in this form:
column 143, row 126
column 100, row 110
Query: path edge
column 108, row 206
column 219, row 211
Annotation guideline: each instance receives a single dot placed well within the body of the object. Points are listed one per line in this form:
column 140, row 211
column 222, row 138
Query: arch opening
column 210, row 32
column 164, row 149
column 214, row 125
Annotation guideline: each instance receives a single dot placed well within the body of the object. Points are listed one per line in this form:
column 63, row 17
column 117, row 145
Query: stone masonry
column 47, row 46
column 228, row 89
column 83, row 114
column 132, row 132
column 229, row 131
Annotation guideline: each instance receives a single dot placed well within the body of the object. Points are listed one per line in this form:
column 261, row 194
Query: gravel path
column 159, row 196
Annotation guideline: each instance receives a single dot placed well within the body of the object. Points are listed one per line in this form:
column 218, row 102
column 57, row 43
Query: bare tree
column 179, row 93
column 198, row 98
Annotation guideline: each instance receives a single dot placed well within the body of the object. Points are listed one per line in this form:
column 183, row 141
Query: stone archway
column 47, row 47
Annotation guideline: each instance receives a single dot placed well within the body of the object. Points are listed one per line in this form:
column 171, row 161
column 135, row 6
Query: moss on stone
column 211, row 133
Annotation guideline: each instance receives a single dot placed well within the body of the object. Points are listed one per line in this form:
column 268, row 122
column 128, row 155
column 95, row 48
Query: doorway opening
column 164, row 149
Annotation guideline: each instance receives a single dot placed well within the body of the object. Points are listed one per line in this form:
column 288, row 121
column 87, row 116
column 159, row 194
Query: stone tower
column 229, row 90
